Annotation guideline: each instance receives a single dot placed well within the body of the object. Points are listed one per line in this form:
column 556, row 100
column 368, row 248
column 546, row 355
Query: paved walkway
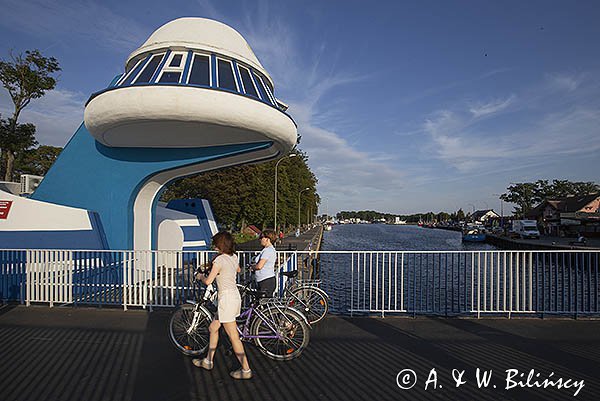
column 291, row 242
column 109, row 354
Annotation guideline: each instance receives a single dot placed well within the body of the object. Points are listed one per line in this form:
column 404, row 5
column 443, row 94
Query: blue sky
column 403, row 107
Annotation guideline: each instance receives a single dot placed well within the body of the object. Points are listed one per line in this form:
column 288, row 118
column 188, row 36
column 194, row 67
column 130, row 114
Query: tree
column 524, row 195
column 527, row 195
column 37, row 161
column 25, row 77
column 15, row 138
column 243, row 195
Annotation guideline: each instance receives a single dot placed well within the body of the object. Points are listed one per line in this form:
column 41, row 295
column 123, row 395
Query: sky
column 403, row 106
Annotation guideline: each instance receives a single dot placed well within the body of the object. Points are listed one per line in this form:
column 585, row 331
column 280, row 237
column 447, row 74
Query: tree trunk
column 10, row 159
column 2, row 162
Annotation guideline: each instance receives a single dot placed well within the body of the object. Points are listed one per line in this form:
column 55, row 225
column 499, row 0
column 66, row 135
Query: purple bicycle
column 279, row 331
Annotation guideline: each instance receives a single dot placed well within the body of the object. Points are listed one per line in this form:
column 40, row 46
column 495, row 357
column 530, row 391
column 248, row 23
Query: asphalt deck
column 110, row 354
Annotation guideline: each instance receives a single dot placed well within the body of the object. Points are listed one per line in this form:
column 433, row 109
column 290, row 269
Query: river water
column 372, row 276
column 410, row 269
column 385, row 237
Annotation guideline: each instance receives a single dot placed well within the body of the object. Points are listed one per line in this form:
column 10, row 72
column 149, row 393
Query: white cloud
column 489, row 108
column 56, row 115
column 565, row 82
column 471, row 144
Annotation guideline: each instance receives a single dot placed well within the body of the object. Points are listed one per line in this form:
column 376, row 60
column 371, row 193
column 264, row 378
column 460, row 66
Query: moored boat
column 473, row 235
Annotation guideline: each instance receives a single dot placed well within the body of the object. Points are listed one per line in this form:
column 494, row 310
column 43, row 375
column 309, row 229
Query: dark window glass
column 247, row 80
column 200, row 74
column 270, row 88
column 176, row 61
column 170, row 77
column 263, row 91
column 135, row 71
column 226, row 78
column 148, row 72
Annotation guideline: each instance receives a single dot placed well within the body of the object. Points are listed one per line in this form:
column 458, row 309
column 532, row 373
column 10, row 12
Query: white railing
column 401, row 282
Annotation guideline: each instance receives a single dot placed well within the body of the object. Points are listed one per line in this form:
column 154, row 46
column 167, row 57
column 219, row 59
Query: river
column 367, row 280
column 385, row 237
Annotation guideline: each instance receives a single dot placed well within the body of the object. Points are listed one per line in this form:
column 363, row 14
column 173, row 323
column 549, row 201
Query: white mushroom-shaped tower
column 194, row 83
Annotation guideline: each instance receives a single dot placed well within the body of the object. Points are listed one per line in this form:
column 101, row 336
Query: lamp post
column 501, row 210
column 300, row 193
column 277, row 165
column 473, row 211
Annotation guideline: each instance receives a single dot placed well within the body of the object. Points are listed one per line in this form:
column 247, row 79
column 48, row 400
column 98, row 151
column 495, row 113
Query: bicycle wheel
column 190, row 340
column 282, row 333
column 311, row 301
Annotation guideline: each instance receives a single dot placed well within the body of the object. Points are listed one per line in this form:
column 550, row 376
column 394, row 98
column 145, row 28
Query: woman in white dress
column 224, row 269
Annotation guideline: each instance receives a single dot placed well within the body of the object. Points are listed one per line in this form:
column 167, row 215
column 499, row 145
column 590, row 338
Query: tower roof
column 198, row 34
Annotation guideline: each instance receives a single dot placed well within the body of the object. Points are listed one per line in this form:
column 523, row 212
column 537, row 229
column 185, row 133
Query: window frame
column 167, row 68
column 230, row 62
column 271, row 98
column 150, row 81
column 124, row 77
column 210, row 67
column 251, row 79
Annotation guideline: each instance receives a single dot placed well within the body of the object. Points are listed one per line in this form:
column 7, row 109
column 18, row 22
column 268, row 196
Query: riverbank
column 543, row 243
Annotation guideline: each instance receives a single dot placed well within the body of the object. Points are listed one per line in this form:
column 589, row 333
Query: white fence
column 401, row 282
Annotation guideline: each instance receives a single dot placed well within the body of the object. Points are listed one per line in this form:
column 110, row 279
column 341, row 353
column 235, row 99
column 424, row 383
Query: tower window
column 200, row 73
column 176, row 60
column 150, row 69
column 225, row 77
column 173, row 69
column 247, row 81
column 263, row 90
column 133, row 73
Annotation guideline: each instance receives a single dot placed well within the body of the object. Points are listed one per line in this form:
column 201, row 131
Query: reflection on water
column 384, row 237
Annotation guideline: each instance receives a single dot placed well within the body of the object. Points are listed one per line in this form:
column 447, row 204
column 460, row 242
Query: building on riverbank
column 569, row 216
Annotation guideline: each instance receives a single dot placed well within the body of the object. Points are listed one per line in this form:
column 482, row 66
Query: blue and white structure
column 193, row 98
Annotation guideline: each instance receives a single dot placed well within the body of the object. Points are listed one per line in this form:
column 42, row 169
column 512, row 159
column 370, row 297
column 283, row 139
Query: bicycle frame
column 247, row 315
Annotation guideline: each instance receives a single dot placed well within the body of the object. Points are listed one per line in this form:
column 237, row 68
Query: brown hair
column 224, row 241
column 270, row 234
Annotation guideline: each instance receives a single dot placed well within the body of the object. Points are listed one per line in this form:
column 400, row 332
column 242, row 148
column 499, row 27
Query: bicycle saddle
column 290, row 274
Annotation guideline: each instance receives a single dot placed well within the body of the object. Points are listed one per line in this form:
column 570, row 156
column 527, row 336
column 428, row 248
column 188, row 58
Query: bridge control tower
column 193, row 98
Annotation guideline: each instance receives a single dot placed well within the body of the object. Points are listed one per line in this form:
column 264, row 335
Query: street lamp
column 277, row 165
column 501, row 209
column 300, row 193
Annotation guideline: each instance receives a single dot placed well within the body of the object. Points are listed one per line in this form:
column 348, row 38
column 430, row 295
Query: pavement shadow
column 67, row 363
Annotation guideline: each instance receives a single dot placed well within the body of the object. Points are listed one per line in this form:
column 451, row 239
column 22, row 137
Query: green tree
column 15, row 138
column 37, row 161
column 529, row 194
column 244, row 195
column 25, row 77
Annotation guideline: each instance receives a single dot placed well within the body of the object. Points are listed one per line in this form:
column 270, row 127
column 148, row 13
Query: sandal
column 241, row 374
column 203, row 363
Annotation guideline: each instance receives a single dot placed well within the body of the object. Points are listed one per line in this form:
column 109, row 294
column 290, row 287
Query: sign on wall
column 4, row 209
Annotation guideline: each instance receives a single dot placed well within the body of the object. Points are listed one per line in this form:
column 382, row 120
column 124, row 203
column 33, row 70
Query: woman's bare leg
column 214, row 339
column 236, row 343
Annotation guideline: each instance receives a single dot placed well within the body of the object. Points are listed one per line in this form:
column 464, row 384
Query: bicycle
column 278, row 331
column 306, row 296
